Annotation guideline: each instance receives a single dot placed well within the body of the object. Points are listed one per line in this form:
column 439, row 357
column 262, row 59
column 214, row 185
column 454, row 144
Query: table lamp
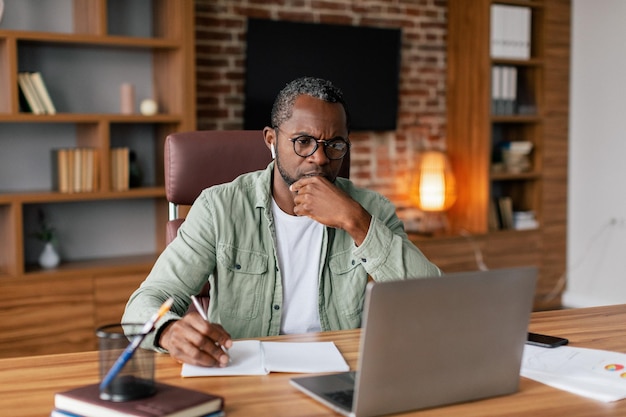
column 433, row 188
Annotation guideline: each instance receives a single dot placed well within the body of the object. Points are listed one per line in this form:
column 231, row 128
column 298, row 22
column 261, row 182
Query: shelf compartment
column 522, row 192
column 93, row 85
column 503, row 135
column 514, row 92
column 92, row 230
column 36, row 143
column 94, row 18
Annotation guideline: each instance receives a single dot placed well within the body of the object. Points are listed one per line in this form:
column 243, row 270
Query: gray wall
column 596, row 247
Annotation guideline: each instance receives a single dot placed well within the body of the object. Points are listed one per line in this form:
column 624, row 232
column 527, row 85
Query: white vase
column 49, row 257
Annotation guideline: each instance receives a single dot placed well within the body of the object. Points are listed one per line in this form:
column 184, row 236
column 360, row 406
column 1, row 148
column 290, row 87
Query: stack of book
column 36, row 98
column 75, row 170
column 119, row 169
column 168, row 401
column 524, row 220
column 502, row 216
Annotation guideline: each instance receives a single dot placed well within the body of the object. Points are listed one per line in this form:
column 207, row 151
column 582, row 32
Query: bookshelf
column 475, row 133
column 84, row 59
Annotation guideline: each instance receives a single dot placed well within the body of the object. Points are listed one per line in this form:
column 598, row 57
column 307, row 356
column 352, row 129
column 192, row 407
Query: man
column 287, row 250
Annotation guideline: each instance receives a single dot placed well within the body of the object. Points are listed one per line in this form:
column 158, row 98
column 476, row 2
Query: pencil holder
column 136, row 378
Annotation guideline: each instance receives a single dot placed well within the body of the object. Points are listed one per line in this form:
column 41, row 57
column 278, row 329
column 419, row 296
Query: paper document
column 597, row 374
column 253, row 357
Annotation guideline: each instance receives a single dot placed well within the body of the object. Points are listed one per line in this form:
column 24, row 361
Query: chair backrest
column 200, row 159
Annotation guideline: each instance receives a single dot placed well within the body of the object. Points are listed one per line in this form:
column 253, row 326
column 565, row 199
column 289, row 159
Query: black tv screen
column 363, row 61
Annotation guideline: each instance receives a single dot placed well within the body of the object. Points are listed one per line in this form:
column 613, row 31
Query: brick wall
column 380, row 160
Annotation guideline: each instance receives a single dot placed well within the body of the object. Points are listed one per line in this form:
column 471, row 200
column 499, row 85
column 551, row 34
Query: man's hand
column 319, row 199
column 195, row 341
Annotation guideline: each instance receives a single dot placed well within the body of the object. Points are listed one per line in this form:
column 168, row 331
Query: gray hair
column 310, row 86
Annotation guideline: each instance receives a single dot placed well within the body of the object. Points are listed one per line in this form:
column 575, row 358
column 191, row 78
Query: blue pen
column 134, row 344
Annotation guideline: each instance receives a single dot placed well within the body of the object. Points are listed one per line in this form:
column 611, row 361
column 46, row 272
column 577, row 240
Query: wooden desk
column 27, row 385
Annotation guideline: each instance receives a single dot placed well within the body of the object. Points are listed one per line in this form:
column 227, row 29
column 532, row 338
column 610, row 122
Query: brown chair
column 200, row 159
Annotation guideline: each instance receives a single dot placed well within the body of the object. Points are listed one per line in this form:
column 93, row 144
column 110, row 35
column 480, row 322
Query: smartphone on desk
column 546, row 341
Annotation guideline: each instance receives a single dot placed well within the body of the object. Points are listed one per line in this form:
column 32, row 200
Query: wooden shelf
column 89, row 118
column 83, row 69
column 508, row 176
column 90, row 40
column 474, row 134
column 54, row 197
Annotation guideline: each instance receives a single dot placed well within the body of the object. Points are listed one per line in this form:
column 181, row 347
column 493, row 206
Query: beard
column 286, row 177
column 290, row 179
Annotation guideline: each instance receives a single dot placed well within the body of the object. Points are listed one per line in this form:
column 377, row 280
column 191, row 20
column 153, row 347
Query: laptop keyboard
column 342, row 398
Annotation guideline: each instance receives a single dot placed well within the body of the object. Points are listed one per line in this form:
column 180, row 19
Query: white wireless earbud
column 273, row 151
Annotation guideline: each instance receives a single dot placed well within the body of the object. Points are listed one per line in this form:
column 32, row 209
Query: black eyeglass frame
column 325, row 143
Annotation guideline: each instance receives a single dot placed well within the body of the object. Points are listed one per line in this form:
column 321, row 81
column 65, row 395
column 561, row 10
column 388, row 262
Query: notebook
column 430, row 342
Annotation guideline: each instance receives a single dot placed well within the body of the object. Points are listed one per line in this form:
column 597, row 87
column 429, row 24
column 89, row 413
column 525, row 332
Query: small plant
column 46, row 232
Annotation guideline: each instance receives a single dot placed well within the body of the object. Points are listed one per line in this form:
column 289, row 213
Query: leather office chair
column 199, row 159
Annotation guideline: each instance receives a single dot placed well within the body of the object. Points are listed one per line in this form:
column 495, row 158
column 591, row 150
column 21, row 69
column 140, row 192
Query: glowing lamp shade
column 433, row 187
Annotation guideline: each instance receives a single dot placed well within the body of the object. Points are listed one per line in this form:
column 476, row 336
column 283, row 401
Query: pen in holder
column 130, row 374
column 135, row 379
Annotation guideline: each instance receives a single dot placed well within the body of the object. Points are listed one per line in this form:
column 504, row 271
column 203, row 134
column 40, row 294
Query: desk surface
column 27, row 385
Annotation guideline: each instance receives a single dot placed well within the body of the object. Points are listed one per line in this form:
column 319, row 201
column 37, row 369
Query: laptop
column 430, row 342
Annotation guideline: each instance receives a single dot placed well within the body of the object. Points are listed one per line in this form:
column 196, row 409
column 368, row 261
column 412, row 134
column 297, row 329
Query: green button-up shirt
column 228, row 238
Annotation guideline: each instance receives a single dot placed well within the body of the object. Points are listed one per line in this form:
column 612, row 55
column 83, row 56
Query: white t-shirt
column 299, row 242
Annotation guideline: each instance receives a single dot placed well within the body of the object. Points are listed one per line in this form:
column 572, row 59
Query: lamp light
column 433, row 188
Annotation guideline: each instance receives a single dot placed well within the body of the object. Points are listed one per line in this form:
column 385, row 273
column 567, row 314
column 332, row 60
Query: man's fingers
column 195, row 341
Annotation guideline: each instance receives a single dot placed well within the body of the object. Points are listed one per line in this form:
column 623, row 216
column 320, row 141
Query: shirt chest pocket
column 240, row 275
column 348, row 279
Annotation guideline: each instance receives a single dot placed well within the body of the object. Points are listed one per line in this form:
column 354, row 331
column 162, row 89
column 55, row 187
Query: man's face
column 311, row 117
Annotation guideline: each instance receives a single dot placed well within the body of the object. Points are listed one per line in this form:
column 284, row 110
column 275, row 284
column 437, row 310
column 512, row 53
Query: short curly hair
column 315, row 87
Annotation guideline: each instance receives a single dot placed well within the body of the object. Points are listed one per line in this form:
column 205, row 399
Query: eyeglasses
column 305, row 146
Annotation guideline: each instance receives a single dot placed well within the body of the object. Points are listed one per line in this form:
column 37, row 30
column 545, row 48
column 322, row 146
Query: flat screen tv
column 363, row 61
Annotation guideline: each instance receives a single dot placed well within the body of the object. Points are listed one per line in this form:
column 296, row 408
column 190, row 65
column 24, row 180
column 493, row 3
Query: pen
column 134, row 344
column 200, row 309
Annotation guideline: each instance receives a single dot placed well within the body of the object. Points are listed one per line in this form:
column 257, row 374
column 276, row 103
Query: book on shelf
column 35, row 92
column 493, row 219
column 42, row 92
column 496, row 89
column 510, row 92
column 524, row 220
column 120, row 168
column 526, row 100
column 26, row 86
column 24, row 104
column 75, row 170
column 510, row 31
column 169, row 401
column 505, row 209
column 504, row 90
